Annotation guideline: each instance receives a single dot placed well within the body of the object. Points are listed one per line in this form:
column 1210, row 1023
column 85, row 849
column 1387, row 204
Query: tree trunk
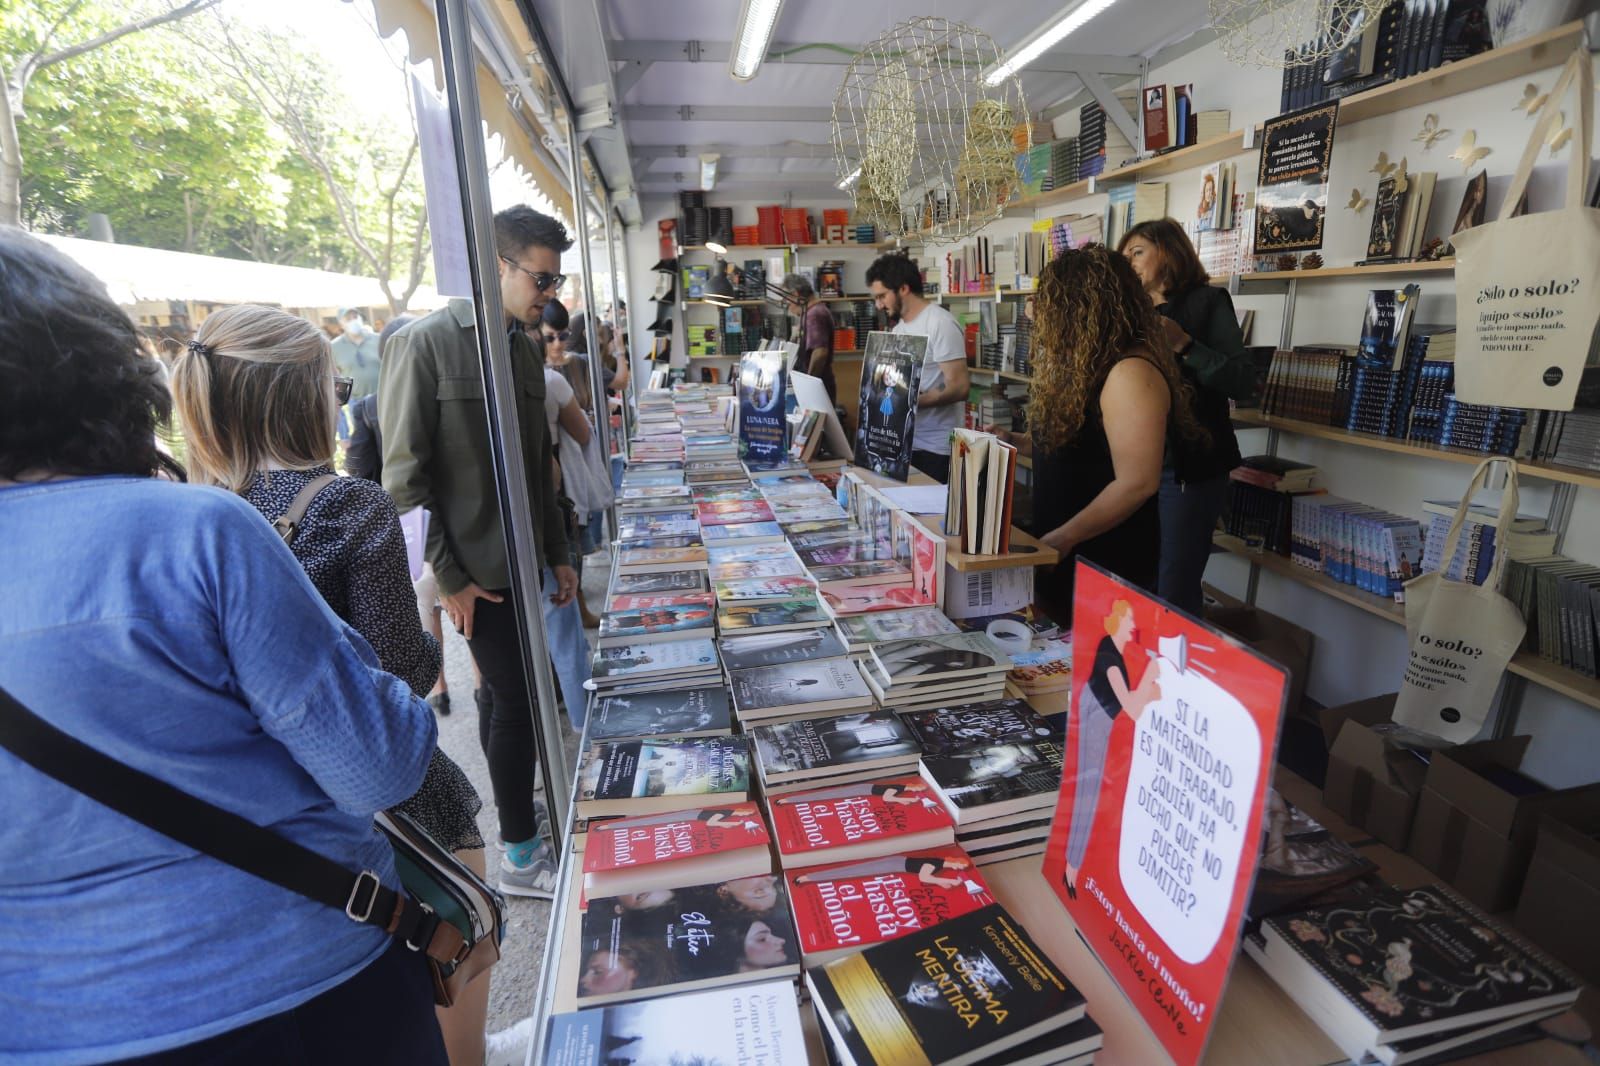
column 10, row 158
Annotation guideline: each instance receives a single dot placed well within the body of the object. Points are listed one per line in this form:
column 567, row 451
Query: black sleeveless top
column 1065, row 480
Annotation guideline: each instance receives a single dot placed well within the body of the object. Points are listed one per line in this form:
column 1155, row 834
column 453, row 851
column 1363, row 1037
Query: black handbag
column 447, row 914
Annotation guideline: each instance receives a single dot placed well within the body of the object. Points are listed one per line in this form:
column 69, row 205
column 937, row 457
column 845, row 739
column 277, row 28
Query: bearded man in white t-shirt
column 896, row 287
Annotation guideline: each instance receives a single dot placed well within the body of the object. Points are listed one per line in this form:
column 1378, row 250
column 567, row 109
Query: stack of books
column 817, row 753
column 923, row 672
column 1000, row 795
column 1033, row 1015
column 703, row 711
column 791, row 691
column 841, row 910
column 1397, row 976
column 1101, row 146
column 645, row 619
column 1261, row 496
column 632, row 777
column 1354, row 544
column 1556, row 597
column 768, row 605
column 663, row 852
column 876, row 819
column 1475, row 552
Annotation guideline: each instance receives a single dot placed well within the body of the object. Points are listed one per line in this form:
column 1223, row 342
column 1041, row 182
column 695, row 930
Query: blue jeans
column 617, row 464
column 569, row 650
column 1189, row 514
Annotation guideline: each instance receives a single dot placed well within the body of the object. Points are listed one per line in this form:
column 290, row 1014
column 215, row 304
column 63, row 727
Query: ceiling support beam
column 814, row 54
column 742, row 113
column 1126, row 121
column 629, row 74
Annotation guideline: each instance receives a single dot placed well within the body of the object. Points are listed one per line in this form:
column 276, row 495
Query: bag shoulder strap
column 288, row 523
column 227, row 837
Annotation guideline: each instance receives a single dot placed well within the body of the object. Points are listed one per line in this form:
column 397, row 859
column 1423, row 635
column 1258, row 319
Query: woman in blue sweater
column 169, row 627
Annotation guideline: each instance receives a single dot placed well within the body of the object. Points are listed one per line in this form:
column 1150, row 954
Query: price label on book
column 1157, row 830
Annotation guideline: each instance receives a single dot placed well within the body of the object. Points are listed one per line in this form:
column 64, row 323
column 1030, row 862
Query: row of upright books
column 783, row 780
column 1405, row 38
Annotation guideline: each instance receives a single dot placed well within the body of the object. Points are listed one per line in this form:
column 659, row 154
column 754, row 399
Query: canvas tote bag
column 1528, row 288
column 1461, row 635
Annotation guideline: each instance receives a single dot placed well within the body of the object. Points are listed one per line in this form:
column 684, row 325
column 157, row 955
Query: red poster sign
column 1157, row 831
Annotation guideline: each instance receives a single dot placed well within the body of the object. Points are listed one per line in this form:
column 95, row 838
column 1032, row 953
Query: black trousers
column 382, row 1014
column 933, row 464
column 505, row 728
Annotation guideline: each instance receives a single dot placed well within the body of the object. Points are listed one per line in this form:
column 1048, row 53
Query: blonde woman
column 258, row 399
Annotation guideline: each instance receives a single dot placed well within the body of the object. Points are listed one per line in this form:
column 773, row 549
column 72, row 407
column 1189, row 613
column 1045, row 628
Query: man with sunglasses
column 436, row 455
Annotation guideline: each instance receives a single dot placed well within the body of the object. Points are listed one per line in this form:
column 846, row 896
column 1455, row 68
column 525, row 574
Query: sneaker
column 537, row 879
column 440, row 702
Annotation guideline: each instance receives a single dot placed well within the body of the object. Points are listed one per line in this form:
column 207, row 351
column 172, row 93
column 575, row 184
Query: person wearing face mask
column 355, row 353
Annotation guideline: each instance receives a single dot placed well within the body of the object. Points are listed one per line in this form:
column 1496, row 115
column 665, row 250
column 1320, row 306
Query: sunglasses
column 342, row 388
column 563, row 337
column 541, row 280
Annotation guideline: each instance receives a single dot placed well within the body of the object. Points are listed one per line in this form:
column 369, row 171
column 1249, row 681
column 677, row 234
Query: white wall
column 1356, row 654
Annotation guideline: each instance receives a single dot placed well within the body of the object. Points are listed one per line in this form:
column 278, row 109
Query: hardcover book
column 746, row 1025
column 861, row 820
column 644, row 776
column 818, row 746
column 839, row 910
column 773, row 691
column 749, row 650
column 675, row 850
column 1398, row 965
column 984, row 783
column 669, row 713
column 960, row 992
column 687, row 939
column 1299, row 859
column 891, row 373
column 976, row 725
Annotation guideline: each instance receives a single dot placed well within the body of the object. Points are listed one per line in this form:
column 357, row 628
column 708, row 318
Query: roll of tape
column 1012, row 636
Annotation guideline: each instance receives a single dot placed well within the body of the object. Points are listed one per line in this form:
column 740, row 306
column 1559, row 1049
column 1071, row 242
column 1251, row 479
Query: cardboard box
column 1562, row 893
column 1476, row 828
column 1277, row 638
column 1371, row 783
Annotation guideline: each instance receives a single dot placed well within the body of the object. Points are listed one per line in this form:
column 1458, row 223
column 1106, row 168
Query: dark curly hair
column 79, row 392
column 1090, row 312
column 519, row 228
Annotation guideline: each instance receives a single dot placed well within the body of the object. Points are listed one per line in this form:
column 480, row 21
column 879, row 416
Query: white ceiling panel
column 1128, row 28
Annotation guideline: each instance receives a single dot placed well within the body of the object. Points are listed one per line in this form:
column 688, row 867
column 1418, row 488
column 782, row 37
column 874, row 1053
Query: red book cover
column 866, row 811
column 853, row 905
column 847, row 598
column 628, row 843
column 1157, row 134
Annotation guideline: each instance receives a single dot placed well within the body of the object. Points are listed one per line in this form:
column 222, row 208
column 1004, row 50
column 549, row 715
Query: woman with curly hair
column 1105, row 390
column 168, row 627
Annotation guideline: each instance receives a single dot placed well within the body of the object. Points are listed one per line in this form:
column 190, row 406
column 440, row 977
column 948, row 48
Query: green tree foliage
column 190, row 144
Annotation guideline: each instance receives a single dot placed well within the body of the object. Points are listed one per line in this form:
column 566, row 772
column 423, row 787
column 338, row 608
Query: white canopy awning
column 133, row 274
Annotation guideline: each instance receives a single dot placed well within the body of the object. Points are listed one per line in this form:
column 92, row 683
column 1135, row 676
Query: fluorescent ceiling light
column 708, row 172
column 1046, row 37
column 849, row 179
column 752, row 34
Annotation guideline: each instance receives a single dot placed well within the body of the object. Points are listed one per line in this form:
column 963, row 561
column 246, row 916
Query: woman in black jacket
column 1204, row 332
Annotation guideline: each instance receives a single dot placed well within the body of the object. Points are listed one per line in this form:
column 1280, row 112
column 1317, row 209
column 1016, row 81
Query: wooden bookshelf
column 1200, row 154
column 982, row 294
column 999, row 375
column 845, row 299
column 1542, row 471
column 1077, row 190
column 1370, row 270
column 1548, row 675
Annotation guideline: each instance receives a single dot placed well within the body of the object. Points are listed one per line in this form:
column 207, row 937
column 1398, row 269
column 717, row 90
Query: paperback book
column 981, row 784
column 857, row 821
column 961, row 992
column 816, row 747
column 771, row 616
column 705, row 936
column 946, row 730
column 688, row 712
column 891, row 373
column 661, row 584
column 744, row 533
column 775, row 691
column 645, row 776
column 660, row 560
column 860, row 631
column 636, row 619
column 838, row 910
column 654, row 661
column 661, row 852
column 750, row 650
column 923, row 661
column 746, row 1025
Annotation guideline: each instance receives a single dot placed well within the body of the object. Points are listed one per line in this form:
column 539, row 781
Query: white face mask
column 353, row 328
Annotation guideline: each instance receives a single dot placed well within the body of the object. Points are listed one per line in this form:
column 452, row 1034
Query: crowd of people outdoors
column 254, row 637
column 238, row 616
